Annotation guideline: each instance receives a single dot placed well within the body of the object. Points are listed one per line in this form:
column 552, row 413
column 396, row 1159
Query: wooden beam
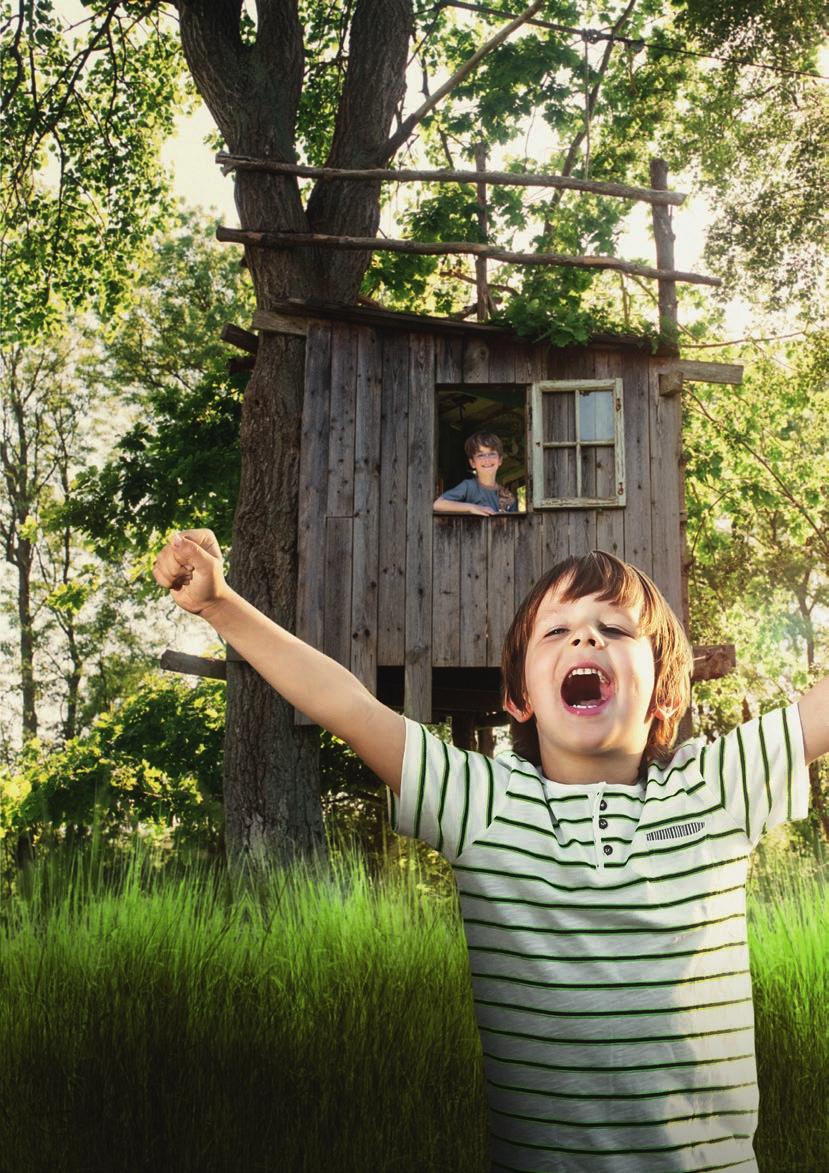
column 173, row 661
column 282, row 324
column 713, row 661
column 671, row 379
column 621, row 191
column 670, row 382
column 241, row 339
column 285, row 240
column 710, row 372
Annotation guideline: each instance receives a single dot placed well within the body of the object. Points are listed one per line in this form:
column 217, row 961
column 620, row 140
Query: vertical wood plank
column 475, row 361
column 365, row 568
column 610, row 523
column 313, row 492
column 524, row 362
column 448, row 359
column 313, row 485
column 394, row 441
column 473, row 599
column 341, row 420
column 501, row 362
column 417, row 672
column 639, row 497
column 582, row 526
column 501, row 583
column 446, row 596
column 338, row 537
column 529, row 559
column 667, row 494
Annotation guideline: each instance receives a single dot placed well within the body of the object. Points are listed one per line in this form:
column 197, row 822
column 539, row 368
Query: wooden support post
column 486, row 740
column 664, row 237
column 463, row 730
column 480, row 262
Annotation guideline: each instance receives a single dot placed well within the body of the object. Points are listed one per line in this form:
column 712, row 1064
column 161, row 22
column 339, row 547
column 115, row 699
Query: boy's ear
column 519, row 715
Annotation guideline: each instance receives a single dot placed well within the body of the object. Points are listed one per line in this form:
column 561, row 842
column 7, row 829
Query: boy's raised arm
column 814, row 719
column 317, row 685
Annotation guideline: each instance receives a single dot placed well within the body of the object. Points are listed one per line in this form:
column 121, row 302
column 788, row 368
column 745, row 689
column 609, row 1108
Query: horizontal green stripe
column 668, row 876
column 582, row 1042
column 681, row 792
column 547, row 834
column 679, row 1091
column 704, row 895
column 589, row 960
column 499, row 1165
column 701, row 924
column 673, row 1148
column 621, row 1123
column 672, row 770
column 609, row 1013
column 607, row 814
column 615, row 1068
column 652, row 852
column 547, row 985
column 677, row 820
column 614, row 789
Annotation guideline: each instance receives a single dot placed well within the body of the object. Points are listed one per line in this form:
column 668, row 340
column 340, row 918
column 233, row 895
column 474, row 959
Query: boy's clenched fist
column 190, row 566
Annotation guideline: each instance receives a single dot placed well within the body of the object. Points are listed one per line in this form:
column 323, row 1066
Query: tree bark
column 271, row 768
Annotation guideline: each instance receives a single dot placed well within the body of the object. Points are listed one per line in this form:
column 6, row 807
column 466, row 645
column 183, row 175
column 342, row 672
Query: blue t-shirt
column 475, row 493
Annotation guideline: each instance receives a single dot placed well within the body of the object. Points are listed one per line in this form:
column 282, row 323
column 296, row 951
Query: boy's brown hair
column 609, row 578
column 479, row 440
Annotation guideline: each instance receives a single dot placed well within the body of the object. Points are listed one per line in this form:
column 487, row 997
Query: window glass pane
column 559, row 472
column 595, row 415
column 559, row 415
column 598, row 473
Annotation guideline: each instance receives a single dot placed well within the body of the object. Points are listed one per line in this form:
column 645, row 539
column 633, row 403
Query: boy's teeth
column 589, row 672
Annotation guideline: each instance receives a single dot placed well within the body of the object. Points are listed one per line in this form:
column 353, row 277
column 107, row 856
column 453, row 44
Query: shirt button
column 603, row 823
column 608, row 850
column 603, row 805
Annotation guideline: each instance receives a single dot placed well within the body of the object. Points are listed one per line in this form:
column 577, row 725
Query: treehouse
column 417, row 604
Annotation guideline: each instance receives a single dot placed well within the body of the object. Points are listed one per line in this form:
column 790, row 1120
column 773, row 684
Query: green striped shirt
column 607, row 944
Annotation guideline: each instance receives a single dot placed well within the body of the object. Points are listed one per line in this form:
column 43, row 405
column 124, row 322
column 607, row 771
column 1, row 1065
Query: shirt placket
column 598, row 807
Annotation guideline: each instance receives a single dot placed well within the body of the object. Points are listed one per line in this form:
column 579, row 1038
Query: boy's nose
column 587, row 636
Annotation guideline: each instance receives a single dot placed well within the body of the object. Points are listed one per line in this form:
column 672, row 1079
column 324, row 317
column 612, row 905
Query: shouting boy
column 601, row 874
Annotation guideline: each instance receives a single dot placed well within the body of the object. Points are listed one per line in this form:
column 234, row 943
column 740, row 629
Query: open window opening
column 578, row 444
column 496, row 408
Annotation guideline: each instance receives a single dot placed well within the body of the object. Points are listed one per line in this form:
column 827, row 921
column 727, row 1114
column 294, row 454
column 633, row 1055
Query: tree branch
column 575, row 145
column 823, row 544
column 288, row 240
column 444, row 175
column 400, row 136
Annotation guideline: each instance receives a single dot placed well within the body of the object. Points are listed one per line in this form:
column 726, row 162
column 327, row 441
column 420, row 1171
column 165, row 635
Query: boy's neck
column 618, row 769
column 488, row 479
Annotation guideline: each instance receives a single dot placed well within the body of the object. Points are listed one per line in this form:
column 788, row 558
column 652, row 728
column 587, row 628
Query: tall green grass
column 175, row 1020
column 789, row 944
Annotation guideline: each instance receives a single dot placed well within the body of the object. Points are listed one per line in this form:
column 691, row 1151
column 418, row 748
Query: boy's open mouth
column 585, row 689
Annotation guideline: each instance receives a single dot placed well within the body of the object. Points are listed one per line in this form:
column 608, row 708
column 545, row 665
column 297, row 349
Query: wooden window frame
column 538, row 443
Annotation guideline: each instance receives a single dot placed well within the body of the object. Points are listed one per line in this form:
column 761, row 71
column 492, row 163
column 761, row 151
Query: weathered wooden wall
column 383, row 580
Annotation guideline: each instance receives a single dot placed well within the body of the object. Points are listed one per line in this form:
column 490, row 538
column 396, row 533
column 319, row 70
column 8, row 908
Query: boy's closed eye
column 606, row 628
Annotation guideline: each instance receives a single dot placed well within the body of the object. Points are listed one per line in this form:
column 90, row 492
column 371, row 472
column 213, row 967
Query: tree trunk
column 271, row 769
column 27, row 641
